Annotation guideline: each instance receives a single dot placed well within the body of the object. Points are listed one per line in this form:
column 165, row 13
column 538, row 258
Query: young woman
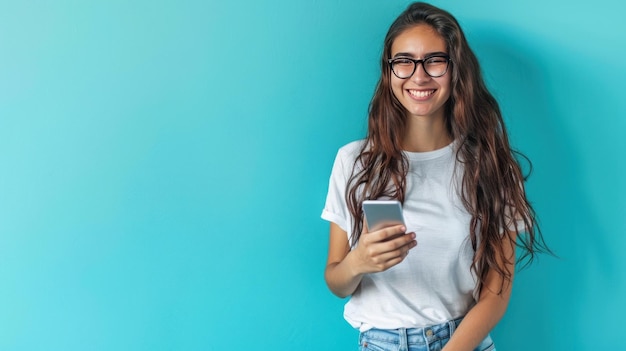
column 436, row 142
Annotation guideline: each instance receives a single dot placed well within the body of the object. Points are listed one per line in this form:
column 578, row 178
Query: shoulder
column 351, row 150
column 346, row 158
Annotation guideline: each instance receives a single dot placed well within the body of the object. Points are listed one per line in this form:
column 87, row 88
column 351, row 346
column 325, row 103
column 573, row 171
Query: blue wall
column 164, row 165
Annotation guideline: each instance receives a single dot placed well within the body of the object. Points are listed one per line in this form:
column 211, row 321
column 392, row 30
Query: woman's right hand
column 380, row 250
column 376, row 251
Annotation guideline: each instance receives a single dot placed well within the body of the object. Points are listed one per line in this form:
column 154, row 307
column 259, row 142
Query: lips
column 421, row 94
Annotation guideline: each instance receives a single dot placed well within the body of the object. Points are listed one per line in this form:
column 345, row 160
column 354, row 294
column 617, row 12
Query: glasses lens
column 436, row 66
column 403, row 68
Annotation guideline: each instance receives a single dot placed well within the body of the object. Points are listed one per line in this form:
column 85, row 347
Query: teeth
column 421, row 93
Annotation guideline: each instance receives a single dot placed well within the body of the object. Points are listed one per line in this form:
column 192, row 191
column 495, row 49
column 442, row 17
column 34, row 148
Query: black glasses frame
column 417, row 62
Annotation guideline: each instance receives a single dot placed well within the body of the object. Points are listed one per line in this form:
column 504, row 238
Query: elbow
column 338, row 293
column 336, row 288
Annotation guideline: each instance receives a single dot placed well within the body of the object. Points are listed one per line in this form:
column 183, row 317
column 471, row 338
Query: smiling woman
column 437, row 143
column 422, row 92
column 164, row 162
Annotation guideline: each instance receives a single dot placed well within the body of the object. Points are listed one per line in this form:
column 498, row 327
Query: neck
column 425, row 134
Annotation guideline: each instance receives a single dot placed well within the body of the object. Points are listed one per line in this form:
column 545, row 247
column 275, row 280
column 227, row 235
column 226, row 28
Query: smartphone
column 382, row 213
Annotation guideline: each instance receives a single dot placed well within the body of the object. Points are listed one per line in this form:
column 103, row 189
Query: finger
column 390, row 259
column 387, row 233
column 398, row 242
column 390, row 256
column 398, row 249
column 374, row 248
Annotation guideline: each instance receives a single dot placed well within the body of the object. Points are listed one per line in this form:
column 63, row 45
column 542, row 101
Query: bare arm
column 374, row 253
column 489, row 309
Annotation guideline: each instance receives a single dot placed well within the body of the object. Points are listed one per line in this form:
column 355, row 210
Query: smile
column 421, row 93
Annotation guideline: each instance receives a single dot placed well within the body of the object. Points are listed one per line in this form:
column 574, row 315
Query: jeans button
column 429, row 333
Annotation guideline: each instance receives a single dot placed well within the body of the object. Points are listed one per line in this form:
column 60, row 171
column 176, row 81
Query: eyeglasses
column 435, row 66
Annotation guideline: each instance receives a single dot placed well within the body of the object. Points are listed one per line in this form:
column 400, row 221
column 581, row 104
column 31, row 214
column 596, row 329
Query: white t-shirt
column 434, row 283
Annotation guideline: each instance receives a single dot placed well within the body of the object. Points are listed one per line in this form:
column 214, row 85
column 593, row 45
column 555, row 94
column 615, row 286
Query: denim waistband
column 415, row 336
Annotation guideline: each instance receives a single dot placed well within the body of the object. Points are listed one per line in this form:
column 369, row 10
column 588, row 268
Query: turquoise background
column 163, row 166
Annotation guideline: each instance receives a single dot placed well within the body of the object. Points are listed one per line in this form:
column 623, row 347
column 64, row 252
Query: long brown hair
column 492, row 188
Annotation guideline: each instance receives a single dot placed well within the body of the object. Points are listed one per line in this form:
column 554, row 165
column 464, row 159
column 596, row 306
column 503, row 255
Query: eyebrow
column 408, row 54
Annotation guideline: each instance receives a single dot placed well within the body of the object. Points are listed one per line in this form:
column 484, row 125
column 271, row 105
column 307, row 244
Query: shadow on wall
column 553, row 293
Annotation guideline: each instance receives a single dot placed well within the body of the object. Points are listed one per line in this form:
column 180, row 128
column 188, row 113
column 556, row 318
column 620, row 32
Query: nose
column 420, row 75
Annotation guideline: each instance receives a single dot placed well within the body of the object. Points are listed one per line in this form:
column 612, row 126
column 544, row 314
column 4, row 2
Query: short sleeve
column 336, row 209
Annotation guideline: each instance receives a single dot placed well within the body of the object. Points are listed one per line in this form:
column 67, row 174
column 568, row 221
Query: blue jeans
column 431, row 338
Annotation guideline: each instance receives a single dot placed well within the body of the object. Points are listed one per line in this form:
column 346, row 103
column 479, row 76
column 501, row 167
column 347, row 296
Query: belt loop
column 404, row 342
column 452, row 327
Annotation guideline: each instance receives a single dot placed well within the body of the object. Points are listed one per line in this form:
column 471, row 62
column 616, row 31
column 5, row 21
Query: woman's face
column 421, row 95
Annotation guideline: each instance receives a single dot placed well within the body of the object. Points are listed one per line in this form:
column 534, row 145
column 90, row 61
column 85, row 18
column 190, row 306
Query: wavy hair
column 492, row 188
